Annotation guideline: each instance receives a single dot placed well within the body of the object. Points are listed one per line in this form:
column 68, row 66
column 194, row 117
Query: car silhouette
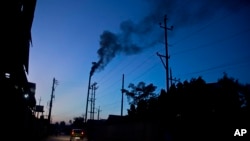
column 77, row 134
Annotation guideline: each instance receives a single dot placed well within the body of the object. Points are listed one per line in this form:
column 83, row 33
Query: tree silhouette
column 139, row 97
column 62, row 124
column 215, row 109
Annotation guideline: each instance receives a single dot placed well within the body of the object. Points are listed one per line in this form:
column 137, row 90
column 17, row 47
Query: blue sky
column 209, row 37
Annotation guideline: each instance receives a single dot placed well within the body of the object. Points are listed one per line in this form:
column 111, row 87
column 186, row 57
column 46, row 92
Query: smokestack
column 93, row 68
column 87, row 101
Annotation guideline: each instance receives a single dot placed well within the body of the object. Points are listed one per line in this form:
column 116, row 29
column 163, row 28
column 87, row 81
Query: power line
column 102, row 80
column 211, row 43
column 131, row 72
column 220, row 66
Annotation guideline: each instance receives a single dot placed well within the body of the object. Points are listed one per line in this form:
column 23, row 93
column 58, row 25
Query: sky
column 123, row 37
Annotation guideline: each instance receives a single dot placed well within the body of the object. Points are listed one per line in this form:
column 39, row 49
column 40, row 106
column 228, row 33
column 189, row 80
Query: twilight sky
column 123, row 36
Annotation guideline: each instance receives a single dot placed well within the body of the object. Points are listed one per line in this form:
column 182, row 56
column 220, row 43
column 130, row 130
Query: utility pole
column 166, row 46
column 122, row 94
column 98, row 113
column 95, row 88
column 37, row 113
column 171, row 77
column 92, row 100
column 55, row 82
column 87, row 101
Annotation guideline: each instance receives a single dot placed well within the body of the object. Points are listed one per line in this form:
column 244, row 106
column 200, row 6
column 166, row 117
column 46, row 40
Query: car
column 77, row 134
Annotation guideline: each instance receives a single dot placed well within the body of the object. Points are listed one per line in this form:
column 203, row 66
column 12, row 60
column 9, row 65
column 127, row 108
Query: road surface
column 60, row 138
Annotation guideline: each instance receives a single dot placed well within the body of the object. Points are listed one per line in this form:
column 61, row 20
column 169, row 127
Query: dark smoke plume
column 135, row 37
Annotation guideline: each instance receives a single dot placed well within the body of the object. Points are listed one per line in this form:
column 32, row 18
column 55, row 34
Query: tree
column 139, row 92
column 229, row 104
column 139, row 97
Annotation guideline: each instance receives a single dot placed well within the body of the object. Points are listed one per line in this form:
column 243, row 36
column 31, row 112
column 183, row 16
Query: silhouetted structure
column 19, row 93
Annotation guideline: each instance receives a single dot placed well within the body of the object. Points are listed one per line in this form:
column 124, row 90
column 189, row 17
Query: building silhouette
column 18, row 94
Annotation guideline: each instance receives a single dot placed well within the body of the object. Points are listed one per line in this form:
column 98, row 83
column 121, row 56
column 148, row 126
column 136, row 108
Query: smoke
column 136, row 37
column 183, row 13
column 132, row 39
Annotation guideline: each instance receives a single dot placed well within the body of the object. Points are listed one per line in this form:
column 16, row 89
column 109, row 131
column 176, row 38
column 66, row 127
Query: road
column 60, row 138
